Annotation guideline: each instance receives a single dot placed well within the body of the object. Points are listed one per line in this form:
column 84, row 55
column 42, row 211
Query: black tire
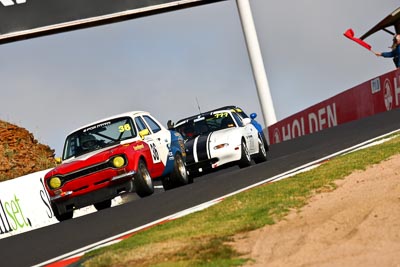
column 143, row 181
column 245, row 160
column 193, row 175
column 62, row 216
column 167, row 183
column 103, row 205
column 262, row 153
column 179, row 176
column 264, row 141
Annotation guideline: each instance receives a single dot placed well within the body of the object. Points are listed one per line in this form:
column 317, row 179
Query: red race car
column 123, row 153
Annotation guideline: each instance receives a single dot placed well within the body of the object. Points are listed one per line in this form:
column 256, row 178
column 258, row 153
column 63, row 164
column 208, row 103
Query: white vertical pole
column 257, row 64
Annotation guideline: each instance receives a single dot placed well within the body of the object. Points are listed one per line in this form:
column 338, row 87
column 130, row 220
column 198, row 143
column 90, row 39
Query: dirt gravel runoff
column 358, row 224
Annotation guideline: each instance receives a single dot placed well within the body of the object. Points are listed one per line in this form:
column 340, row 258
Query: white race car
column 220, row 137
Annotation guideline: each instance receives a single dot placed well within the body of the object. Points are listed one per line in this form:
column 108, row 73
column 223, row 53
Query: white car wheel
column 245, row 160
column 262, row 153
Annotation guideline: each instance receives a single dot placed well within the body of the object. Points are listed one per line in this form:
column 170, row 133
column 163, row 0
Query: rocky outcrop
column 21, row 153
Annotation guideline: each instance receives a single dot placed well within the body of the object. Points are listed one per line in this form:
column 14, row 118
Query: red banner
column 371, row 97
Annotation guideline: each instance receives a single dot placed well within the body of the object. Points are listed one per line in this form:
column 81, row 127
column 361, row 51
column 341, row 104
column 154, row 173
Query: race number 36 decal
column 154, row 152
column 123, row 128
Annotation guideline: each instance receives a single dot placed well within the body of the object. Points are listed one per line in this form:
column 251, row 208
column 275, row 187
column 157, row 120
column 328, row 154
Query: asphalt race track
column 40, row 245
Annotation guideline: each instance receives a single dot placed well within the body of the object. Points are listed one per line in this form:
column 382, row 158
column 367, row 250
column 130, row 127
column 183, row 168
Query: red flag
column 350, row 34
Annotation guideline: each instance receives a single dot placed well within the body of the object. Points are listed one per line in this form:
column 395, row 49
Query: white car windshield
column 205, row 124
column 98, row 136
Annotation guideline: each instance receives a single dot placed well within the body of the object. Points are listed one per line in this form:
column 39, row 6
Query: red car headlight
column 54, row 182
column 118, row 161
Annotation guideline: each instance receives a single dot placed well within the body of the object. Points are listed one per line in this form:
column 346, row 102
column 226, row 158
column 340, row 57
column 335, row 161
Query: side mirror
column 58, row 160
column 246, row 121
column 253, row 116
column 144, row 132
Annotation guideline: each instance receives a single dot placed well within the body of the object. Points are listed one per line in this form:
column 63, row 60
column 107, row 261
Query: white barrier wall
column 24, row 204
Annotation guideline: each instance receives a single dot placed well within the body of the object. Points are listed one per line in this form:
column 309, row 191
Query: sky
column 167, row 63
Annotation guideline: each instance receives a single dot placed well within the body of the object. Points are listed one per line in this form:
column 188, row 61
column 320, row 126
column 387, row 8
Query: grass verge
column 202, row 238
